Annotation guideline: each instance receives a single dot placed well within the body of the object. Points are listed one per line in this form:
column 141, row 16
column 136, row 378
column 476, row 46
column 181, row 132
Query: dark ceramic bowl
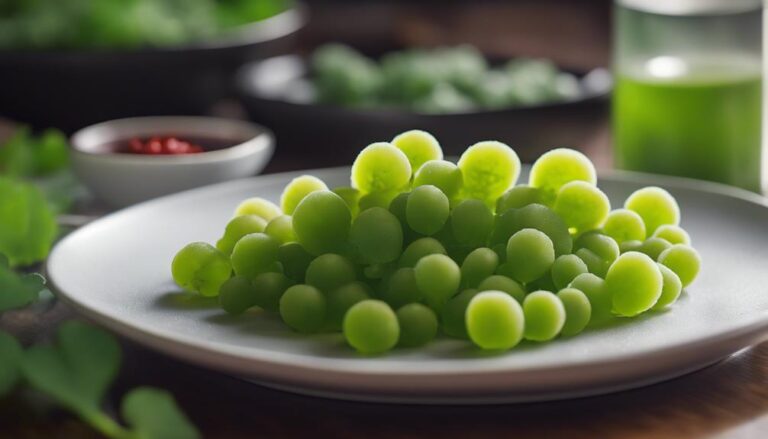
column 272, row 91
column 70, row 89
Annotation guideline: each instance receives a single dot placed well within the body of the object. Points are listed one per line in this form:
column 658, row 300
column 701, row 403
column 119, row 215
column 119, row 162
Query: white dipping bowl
column 120, row 179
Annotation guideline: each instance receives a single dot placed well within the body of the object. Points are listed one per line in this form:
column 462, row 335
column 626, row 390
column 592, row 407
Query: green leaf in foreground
column 17, row 290
column 10, row 361
column 153, row 414
column 77, row 370
column 27, row 224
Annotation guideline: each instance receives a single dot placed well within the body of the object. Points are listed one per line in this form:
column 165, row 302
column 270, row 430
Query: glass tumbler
column 688, row 89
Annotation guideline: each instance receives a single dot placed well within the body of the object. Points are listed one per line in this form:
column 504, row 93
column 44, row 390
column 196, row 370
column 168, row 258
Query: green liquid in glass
column 693, row 119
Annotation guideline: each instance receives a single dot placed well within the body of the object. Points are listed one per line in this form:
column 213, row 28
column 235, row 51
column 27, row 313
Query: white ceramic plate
column 116, row 271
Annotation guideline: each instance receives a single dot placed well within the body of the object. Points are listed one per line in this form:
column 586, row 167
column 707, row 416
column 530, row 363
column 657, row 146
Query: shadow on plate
column 184, row 301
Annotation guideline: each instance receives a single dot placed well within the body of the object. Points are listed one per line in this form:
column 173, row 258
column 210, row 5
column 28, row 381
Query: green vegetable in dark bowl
column 441, row 80
column 124, row 24
column 231, row 13
column 345, row 76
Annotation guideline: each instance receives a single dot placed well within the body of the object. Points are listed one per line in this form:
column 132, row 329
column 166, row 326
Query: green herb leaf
column 153, row 414
column 27, row 224
column 76, row 371
column 51, row 152
column 26, row 156
column 16, row 290
column 10, row 362
column 44, row 161
column 16, row 157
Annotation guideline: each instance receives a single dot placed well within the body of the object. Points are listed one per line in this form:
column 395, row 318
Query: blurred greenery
column 36, row 184
column 43, row 161
column 440, row 80
column 10, row 361
column 25, row 155
column 77, row 370
column 27, row 222
column 123, row 24
column 17, row 290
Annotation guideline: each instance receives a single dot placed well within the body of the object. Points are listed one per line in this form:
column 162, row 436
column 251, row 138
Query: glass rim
column 692, row 7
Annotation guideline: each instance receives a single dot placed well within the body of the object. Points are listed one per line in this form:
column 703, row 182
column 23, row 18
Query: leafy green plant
column 27, row 223
column 59, row 24
column 11, row 354
column 26, row 155
column 42, row 160
column 17, row 290
column 77, row 370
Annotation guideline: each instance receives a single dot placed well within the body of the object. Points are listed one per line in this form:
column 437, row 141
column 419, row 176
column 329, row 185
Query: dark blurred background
column 572, row 33
column 575, row 35
column 69, row 88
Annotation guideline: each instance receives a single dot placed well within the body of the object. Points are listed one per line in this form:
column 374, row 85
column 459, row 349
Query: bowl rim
column 256, row 139
column 246, row 85
column 272, row 28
